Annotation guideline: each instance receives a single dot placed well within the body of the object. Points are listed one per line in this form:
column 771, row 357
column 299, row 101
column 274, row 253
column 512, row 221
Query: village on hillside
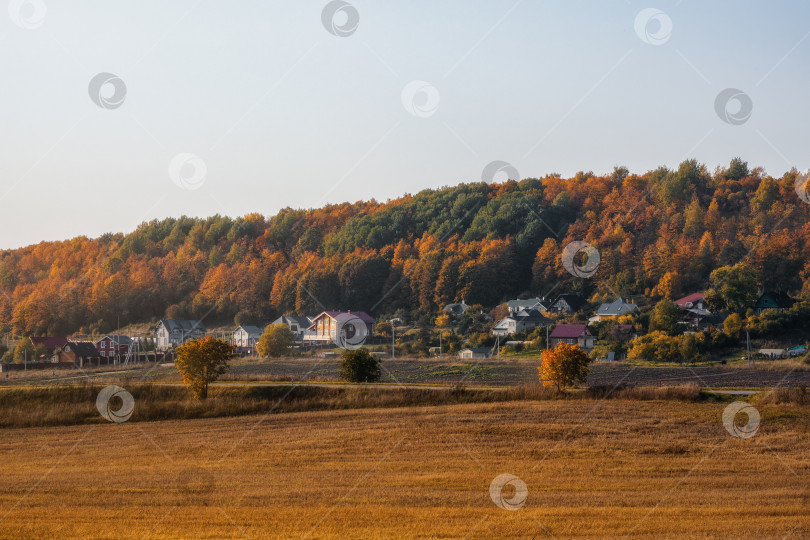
column 685, row 330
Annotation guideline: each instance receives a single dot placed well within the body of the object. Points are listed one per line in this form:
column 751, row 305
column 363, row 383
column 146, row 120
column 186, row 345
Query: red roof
column 694, row 297
column 570, row 331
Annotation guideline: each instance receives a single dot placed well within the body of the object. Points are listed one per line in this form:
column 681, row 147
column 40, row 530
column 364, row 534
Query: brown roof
column 49, row 342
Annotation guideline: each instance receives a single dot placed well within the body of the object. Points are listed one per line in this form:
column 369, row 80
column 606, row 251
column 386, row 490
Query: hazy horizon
column 284, row 113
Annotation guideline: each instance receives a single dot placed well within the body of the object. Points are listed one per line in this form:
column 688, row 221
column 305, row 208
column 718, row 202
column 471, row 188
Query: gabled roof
column 573, row 300
column 120, row 340
column 621, row 329
column 480, row 350
column 531, row 316
column 690, row 299
column 615, row 308
column 49, row 342
column 173, row 325
column 570, row 331
column 457, row 309
column 347, row 316
column 303, row 322
column 774, row 300
column 250, row 329
column 527, row 303
column 82, row 348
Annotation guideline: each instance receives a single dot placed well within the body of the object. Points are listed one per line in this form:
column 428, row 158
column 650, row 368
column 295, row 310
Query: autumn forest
column 659, row 234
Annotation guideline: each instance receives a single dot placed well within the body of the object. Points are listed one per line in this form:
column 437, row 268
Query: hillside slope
column 659, row 233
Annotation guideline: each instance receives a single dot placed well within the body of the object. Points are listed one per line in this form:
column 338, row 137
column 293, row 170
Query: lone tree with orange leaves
column 201, row 362
column 563, row 366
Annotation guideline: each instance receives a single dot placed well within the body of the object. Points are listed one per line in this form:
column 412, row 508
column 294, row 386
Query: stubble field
column 592, row 469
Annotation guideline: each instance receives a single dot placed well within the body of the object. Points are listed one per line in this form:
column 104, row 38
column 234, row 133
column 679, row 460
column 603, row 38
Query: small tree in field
column 563, row 366
column 360, row 366
column 202, row 361
column 277, row 340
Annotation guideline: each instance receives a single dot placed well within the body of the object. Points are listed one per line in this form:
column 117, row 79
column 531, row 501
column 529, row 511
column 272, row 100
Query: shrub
column 277, row 340
column 360, row 366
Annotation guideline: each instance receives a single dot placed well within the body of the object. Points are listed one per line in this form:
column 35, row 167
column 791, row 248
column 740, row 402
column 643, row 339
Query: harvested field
column 592, row 469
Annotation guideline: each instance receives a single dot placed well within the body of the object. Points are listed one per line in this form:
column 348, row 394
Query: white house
column 299, row 326
column 246, row 336
column 170, row 333
column 524, row 319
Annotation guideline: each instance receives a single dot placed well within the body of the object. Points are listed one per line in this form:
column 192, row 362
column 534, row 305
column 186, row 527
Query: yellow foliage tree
column 201, row 362
column 563, row 366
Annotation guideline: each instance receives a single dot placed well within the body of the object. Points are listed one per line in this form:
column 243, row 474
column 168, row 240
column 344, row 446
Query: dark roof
column 303, row 322
column 621, row 329
column 774, row 300
column 182, row 324
column 250, row 329
column 49, row 342
column 570, row 331
column 531, row 315
column 457, row 309
column 617, row 307
column 573, row 300
column 83, row 348
column 121, row 340
column 528, row 303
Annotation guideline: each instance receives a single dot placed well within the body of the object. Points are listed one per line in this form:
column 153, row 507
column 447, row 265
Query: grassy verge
column 76, row 404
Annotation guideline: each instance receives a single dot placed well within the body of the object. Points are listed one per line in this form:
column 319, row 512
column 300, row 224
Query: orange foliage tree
column 563, row 366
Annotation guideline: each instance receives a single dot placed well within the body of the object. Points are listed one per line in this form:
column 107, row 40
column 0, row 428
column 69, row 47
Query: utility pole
column 393, row 339
column 440, row 342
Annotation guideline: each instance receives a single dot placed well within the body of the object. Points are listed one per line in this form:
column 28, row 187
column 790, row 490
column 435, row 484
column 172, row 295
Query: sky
column 115, row 113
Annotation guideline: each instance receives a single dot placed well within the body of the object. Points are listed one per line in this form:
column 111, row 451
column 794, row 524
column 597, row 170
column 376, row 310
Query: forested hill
column 659, row 234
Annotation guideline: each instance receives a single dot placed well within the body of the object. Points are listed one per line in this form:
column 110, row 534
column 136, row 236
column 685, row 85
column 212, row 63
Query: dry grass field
column 652, row 469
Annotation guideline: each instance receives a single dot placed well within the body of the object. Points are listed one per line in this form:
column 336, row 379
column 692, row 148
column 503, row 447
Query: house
column 297, row 325
column 567, row 303
column 524, row 319
column 80, row 353
column 539, row 304
column 773, row 300
column 613, row 310
column 50, row 343
column 623, row 332
column 114, row 346
column 171, row 333
column 696, row 312
column 456, row 309
column 245, row 337
column 475, row 352
column 693, row 301
column 354, row 328
column 573, row 334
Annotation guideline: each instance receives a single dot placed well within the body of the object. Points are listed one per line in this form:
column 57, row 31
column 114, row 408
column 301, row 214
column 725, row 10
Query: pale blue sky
column 285, row 114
